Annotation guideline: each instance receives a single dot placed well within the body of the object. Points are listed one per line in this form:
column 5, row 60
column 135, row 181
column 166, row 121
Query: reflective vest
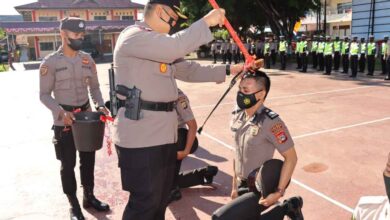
column 303, row 47
column 321, row 47
column 337, row 46
column 363, row 47
column 354, row 48
column 282, row 46
column 345, row 48
column 328, row 49
column 384, row 48
column 371, row 49
column 314, row 46
column 266, row 47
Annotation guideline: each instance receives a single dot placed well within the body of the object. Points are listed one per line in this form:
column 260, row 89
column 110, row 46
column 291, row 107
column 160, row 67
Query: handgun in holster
column 132, row 102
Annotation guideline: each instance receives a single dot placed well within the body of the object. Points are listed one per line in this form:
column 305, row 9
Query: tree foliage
column 279, row 15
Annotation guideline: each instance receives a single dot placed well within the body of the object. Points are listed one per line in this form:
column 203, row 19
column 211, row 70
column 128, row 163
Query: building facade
column 38, row 34
column 371, row 17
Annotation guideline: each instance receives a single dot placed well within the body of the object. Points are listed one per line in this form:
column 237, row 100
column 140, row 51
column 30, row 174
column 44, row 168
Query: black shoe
column 91, row 201
column 326, row 74
column 175, row 195
column 294, row 208
column 370, row 74
column 75, row 210
column 209, row 174
column 352, row 76
column 302, row 71
column 387, row 78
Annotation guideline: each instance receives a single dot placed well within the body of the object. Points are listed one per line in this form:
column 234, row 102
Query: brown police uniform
column 64, row 84
column 152, row 62
column 256, row 139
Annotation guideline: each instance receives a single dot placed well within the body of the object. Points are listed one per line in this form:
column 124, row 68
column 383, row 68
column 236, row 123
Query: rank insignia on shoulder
column 271, row 114
column 43, row 70
column 163, row 68
column 85, row 61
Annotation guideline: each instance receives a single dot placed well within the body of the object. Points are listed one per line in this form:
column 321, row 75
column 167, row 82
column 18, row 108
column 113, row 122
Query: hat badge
column 81, row 25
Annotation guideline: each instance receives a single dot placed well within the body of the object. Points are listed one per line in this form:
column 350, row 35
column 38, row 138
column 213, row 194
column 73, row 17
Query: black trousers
column 259, row 54
column 337, row 60
column 384, row 66
column 66, row 153
column 345, row 58
column 371, row 64
column 299, row 61
column 283, row 60
column 215, row 56
column 267, row 59
column 273, row 57
column 224, row 57
column 387, row 185
column 321, row 61
column 354, row 65
column 362, row 63
column 304, row 59
column 388, row 67
column 229, row 57
column 246, row 207
column 328, row 64
column 147, row 173
column 314, row 59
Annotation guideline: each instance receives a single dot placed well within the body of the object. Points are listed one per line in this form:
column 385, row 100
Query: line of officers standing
column 325, row 53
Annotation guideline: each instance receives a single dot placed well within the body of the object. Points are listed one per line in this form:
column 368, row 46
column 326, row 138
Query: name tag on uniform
column 61, row 69
column 86, row 67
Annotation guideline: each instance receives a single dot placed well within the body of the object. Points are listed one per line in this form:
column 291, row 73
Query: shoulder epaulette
column 271, row 114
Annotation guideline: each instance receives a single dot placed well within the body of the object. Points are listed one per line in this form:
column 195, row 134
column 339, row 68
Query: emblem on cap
column 81, row 25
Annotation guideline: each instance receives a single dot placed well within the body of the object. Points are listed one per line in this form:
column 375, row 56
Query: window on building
column 344, row 7
column 27, row 16
column 100, row 18
column 48, row 18
column 127, row 18
column 46, row 46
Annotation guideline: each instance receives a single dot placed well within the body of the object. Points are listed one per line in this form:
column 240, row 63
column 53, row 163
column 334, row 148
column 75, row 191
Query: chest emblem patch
column 163, row 68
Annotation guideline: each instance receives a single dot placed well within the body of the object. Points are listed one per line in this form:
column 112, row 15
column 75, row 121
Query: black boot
column 75, row 210
column 175, row 195
column 293, row 208
column 210, row 172
column 91, row 201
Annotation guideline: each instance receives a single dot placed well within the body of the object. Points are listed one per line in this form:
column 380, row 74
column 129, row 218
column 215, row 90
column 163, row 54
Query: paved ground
column 340, row 127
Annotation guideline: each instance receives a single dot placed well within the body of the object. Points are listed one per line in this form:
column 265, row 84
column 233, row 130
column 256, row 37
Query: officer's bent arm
column 290, row 161
column 192, row 128
column 46, row 86
column 234, row 180
column 165, row 48
column 190, row 71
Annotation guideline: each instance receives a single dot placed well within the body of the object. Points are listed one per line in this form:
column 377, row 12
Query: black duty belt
column 153, row 106
column 70, row 108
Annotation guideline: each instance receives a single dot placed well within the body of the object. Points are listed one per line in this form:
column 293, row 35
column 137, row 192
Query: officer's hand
column 236, row 69
column 182, row 154
column 234, row 194
column 67, row 118
column 215, row 17
column 387, row 169
column 104, row 110
column 270, row 200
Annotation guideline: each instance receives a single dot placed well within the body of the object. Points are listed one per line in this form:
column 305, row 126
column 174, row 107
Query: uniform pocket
column 63, row 80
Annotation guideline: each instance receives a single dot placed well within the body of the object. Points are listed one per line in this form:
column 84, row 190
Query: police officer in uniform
column 328, row 53
column 345, row 54
column 282, row 48
column 223, row 51
column 189, row 178
column 354, row 57
column 384, row 47
column 371, row 56
column 304, row 53
column 297, row 53
column 337, row 49
column 258, row 132
column 148, row 60
column 260, row 49
column 314, row 47
column 229, row 51
column 362, row 54
column 274, row 48
column 214, row 48
column 320, row 53
column 68, row 73
column 387, row 58
column 235, row 52
column 267, row 53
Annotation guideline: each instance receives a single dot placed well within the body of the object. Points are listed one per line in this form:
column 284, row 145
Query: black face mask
column 245, row 101
column 75, row 44
column 178, row 27
column 170, row 22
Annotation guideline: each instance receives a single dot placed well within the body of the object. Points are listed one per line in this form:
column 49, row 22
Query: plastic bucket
column 88, row 131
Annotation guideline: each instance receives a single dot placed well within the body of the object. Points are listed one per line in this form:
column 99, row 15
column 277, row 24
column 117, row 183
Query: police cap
column 173, row 4
column 73, row 24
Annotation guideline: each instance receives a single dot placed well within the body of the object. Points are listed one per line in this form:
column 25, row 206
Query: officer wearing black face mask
column 65, row 77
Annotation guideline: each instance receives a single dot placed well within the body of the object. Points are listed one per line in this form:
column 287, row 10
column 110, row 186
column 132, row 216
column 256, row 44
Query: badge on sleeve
column 279, row 133
column 85, row 61
column 163, row 68
column 183, row 104
column 43, row 70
